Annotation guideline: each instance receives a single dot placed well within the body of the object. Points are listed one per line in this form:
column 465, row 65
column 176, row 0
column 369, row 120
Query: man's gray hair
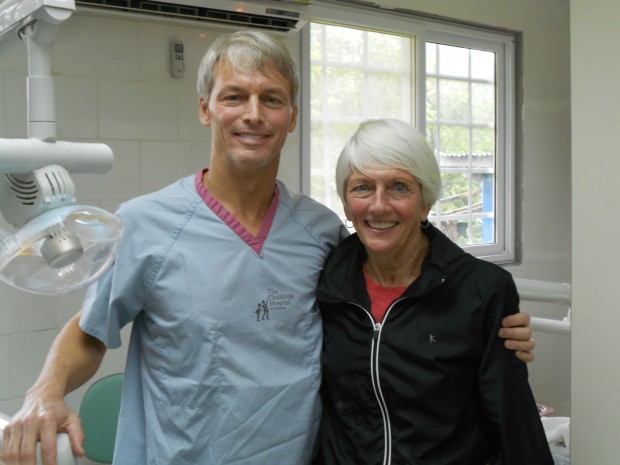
column 246, row 51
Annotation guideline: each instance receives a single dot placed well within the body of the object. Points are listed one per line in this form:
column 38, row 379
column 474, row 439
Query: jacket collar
column 343, row 279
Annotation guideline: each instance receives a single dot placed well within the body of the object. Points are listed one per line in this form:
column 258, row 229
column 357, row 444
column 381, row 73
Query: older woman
column 414, row 372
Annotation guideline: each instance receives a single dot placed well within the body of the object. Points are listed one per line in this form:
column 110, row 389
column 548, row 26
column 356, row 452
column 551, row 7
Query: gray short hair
column 246, row 51
column 390, row 143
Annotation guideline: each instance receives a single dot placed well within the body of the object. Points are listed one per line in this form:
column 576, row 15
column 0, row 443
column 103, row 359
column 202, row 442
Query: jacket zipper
column 374, row 375
column 374, row 372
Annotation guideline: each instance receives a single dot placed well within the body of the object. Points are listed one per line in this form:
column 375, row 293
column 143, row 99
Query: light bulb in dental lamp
column 58, row 246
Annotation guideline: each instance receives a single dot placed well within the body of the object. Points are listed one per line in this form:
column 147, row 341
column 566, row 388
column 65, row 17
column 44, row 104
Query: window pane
column 383, row 96
column 326, row 143
column 454, row 101
column 483, row 146
column 455, row 198
column 483, row 104
column 316, row 43
column 453, row 61
column 431, row 100
column 344, row 87
column 482, row 65
column 356, row 75
column 461, row 115
column 316, row 99
column 431, row 58
column 454, row 140
column 343, row 44
column 317, row 151
column 387, row 51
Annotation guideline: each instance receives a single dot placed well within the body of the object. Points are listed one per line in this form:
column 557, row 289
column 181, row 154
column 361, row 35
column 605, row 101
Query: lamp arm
column 21, row 156
column 40, row 95
column 15, row 14
column 35, row 22
column 59, row 246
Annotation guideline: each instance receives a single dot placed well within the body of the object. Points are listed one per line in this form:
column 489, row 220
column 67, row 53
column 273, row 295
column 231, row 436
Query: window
column 356, row 75
column 468, row 126
column 454, row 83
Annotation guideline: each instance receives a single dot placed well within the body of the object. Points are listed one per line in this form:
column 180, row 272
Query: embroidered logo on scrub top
column 274, row 302
column 262, row 311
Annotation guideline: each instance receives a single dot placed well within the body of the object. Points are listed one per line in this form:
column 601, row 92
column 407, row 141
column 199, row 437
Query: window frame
column 503, row 45
column 430, row 30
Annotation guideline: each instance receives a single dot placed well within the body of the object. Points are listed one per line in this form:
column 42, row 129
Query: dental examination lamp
column 58, row 246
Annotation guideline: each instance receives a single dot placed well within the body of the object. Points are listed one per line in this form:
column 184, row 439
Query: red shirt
column 381, row 297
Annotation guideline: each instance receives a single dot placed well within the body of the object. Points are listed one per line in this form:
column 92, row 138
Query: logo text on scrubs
column 279, row 300
column 275, row 301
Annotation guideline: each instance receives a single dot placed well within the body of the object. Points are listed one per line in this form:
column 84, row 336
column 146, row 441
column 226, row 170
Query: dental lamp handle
column 63, row 446
column 64, row 456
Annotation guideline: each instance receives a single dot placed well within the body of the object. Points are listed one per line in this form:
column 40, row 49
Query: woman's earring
column 425, row 224
column 348, row 223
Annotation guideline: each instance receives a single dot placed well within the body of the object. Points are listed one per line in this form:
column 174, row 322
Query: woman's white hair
column 390, row 143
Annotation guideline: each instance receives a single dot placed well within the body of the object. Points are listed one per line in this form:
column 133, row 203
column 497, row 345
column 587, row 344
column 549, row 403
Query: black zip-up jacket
column 432, row 384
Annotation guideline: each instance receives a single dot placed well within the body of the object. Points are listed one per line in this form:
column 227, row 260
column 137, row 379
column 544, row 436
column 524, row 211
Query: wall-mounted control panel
column 177, row 59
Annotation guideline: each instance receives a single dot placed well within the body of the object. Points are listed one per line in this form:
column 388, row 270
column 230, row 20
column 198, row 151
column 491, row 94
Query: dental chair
column 99, row 413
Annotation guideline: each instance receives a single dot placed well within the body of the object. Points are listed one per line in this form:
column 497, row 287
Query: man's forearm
column 72, row 360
